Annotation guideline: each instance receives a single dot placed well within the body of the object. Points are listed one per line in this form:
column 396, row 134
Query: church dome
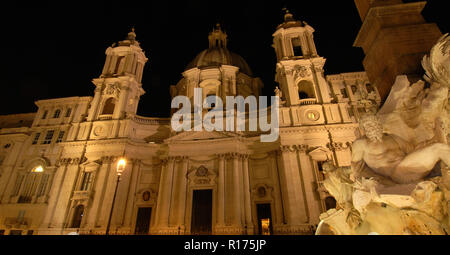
column 217, row 54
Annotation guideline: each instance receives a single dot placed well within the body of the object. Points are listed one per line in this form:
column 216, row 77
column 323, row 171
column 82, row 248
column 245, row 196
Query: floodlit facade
column 58, row 166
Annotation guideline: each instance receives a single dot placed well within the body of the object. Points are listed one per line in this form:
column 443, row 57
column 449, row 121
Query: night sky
column 52, row 50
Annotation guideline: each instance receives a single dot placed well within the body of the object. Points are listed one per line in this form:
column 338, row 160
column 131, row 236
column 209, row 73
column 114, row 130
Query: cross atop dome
column 288, row 16
column 217, row 38
column 131, row 35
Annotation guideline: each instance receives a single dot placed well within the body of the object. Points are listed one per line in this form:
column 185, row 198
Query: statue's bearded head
column 372, row 127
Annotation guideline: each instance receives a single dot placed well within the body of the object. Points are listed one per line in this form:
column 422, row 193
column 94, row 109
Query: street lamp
column 120, row 167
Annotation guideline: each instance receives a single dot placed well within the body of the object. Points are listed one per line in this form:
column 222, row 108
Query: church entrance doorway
column 201, row 223
column 264, row 219
column 143, row 220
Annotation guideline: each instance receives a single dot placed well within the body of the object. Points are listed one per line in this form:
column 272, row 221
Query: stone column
column 113, row 64
column 247, row 200
column 278, row 193
column 107, row 198
column 310, row 192
column 221, row 192
column 290, row 92
column 160, row 192
column 292, row 187
column 122, row 194
column 129, row 63
column 164, row 194
column 234, row 85
column 311, row 44
column 101, row 177
column 120, row 106
column 181, row 208
column 62, row 205
column 236, row 192
column 7, row 180
column 54, row 193
column 131, row 194
column 93, row 110
column 106, row 66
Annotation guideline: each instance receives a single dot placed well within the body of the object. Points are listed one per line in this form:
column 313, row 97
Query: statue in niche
column 399, row 179
column 279, row 94
column 146, row 196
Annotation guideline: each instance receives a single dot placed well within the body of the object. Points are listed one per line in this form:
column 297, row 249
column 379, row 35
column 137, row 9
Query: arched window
column 302, row 95
column 297, row 47
column 305, row 90
column 330, row 203
column 109, row 105
column 77, row 216
column 32, row 184
column 57, row 113
column 369, row 88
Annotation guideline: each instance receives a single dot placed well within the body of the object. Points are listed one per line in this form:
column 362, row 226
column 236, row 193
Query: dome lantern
column 217, row 38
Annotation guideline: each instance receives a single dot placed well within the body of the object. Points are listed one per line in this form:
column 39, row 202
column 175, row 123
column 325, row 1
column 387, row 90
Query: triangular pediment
column 201, row 136
column 320, row 154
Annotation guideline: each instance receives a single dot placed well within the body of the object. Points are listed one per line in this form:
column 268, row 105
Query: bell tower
column 299, row 69
column 119, row 86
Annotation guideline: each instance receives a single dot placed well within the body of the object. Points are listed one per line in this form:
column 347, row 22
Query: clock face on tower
column 98, row 131
column 312, row 115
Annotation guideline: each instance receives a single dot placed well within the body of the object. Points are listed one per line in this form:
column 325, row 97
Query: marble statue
column 399, row 179
column 393, row 157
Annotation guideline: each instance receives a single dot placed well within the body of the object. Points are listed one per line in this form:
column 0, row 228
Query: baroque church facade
column 58, row 166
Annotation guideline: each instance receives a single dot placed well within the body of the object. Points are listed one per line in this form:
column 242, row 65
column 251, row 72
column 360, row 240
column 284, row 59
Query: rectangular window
column 57, row 113
column 36, row 138
column 60, row 137
column 297, row 46
column 2, row 232
column 15, row 232
column 344, row 93
column 87, row 179
column 44, row 115
column 42, row 185
column 48, row 137
column 68, row 112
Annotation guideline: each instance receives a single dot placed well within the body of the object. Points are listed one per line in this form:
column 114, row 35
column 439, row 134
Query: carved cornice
column 108, row 159
column 294, row 148
column 233, row 155
column 297, row 229
column 70, row 161
column 339, row 146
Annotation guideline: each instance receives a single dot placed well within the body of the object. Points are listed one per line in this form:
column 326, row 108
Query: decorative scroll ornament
column 112, row 89
column 301, row 72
